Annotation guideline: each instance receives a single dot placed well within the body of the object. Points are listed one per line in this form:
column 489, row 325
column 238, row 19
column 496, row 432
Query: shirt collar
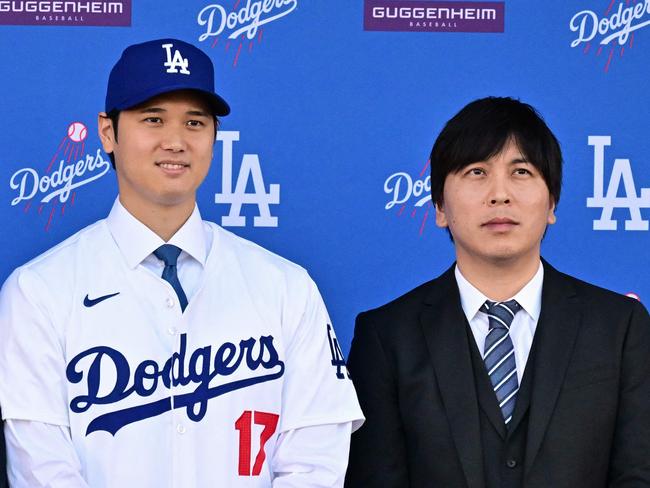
column 529, row 297
column 136, row 241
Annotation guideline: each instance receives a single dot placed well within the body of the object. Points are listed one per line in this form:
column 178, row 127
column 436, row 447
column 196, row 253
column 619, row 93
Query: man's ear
column 441, row 217
column 551, row 215
column 106, row 132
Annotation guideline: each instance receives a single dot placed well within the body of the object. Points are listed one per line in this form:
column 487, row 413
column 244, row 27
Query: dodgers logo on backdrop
column 250, row 170
column 609, row 30
column 621, row 178
column 105, row 13
column 432, row 16
column 258, row 360
column 50, row 191
column 175, row 60
column 404, row 190
column 243, row 20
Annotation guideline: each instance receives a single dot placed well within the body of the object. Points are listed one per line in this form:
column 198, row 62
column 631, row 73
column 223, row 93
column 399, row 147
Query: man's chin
column 509, row 256
column 175, row 200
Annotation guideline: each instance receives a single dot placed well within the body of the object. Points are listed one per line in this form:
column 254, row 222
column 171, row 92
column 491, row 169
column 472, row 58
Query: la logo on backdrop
column 620, row 178
column 621, row 193
column 49, row 190
column 249, row 170
column 608, row 32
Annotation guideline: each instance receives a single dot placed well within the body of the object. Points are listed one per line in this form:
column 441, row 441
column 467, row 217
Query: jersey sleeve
column 32, row 360
column 317, row 388
column 41, row 456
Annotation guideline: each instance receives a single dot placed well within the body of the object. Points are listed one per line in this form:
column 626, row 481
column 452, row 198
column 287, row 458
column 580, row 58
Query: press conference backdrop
column 335, row 107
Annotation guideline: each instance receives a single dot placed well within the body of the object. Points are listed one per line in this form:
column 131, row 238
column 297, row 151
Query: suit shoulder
column 404, row 309
column 598, row 294
column 601, row 300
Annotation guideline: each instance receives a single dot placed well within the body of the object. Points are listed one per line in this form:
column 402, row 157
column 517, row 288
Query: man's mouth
column 500, row 223
column 173, row 166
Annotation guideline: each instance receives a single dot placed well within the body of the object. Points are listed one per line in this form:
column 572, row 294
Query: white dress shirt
column 43, row 454
column 522, row 329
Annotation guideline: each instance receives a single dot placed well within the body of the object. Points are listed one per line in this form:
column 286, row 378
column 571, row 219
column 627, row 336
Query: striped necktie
column 168, row 253
column 499, row 354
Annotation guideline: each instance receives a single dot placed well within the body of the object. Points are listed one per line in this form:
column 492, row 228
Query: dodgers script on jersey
column 157, row 397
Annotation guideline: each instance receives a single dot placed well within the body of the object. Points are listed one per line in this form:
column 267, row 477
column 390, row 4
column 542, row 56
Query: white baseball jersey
column 157, row 397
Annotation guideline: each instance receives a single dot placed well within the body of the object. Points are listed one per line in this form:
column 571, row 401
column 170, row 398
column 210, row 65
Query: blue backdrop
column 332, row 122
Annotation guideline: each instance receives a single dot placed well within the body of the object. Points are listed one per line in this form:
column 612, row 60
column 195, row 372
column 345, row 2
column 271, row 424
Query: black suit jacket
column 589, row 411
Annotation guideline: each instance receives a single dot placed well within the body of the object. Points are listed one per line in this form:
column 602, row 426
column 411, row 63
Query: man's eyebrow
column 515, row 160
column 520, row 160
column 152, row 109
column 200, row 113
column 157, row 110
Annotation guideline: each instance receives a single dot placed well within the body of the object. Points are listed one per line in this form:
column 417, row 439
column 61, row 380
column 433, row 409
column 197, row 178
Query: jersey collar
column 136, row 241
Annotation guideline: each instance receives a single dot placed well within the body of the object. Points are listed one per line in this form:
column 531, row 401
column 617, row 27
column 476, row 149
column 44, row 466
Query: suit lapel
column 444, row 328
column 554, row 340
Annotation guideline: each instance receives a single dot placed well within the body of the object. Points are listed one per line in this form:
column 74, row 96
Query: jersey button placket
column 182, row 441
column 178, row 418
column 179, row 421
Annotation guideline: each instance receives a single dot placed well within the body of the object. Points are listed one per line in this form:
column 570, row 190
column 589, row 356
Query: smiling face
column 496, row 210
column 162, row 151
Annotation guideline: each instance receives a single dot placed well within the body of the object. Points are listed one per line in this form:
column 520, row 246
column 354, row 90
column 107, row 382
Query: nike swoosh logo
column 91, row 302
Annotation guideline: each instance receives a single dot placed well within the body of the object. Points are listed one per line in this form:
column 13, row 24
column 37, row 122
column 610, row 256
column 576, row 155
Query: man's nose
column 173, row 140
column 499, row 191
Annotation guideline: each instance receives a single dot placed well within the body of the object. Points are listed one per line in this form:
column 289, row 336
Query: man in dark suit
column 502, row 372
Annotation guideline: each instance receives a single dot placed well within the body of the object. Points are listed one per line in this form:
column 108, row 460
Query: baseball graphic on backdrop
column 77, row 132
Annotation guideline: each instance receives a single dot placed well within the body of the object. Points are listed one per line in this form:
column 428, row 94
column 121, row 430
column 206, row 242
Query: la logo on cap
column 175, row 62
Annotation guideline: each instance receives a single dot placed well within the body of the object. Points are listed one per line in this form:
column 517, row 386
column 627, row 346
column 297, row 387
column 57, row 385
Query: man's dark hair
column 114, row 115
column 482, row 129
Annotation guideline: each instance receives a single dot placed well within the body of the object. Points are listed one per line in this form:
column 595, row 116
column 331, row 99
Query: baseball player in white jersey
column 155, row 349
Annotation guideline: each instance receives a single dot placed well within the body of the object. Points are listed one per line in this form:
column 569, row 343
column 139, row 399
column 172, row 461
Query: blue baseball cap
column 155, row 67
